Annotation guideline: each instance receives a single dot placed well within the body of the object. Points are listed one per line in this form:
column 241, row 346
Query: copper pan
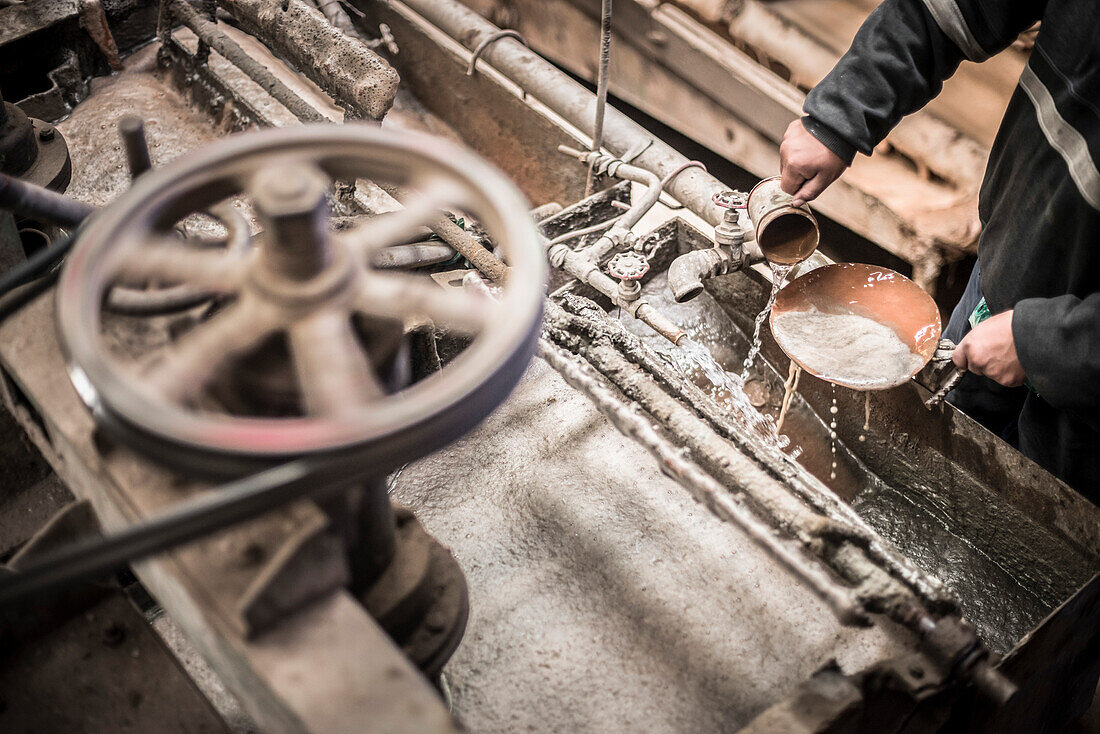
column 874, row 292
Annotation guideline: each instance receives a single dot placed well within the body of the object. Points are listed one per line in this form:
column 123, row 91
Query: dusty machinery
column 326, row 320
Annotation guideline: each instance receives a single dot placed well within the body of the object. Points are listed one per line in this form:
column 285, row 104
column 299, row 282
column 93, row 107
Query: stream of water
column 779, row 278
column 700, row 356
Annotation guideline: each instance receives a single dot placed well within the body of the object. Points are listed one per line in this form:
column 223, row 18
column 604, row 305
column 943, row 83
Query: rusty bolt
column 46, row 134
column 113, row 634
column 253, row 554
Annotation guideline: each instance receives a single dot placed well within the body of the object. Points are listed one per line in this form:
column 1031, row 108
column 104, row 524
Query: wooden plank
column 327, row 668
column 972, row 101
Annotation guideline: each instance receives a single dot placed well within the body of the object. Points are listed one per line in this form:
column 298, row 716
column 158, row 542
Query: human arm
column 1053, row 343
column 896, row 64
column 1058, row 342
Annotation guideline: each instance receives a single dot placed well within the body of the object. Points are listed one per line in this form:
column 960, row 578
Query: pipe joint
column 687, row 272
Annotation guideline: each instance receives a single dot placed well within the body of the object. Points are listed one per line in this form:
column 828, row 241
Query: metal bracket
column 489, row 41
column 940, row 375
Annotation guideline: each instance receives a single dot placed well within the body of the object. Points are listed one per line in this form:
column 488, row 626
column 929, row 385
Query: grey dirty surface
column 204, row 677
column 91, row 131
column 30, row 493
column 101, row 671
column 603, row 598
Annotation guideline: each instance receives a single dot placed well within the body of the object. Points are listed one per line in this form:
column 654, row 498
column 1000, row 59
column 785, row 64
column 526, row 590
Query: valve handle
column 731, row 199
column 628, row 266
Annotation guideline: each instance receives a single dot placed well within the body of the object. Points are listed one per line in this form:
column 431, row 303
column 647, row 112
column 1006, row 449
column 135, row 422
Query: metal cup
column 786, row 234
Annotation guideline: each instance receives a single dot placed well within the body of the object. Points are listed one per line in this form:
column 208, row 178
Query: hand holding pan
column 860, row 326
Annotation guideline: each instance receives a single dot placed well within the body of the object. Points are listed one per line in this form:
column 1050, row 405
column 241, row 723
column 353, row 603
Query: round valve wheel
column 313, row 289
column 628, row 266
column 731, row 200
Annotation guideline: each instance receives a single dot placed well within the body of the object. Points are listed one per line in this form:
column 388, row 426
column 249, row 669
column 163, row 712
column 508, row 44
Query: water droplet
column 833, row 409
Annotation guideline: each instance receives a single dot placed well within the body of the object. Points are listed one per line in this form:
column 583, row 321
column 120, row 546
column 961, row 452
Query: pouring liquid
column 779, row 278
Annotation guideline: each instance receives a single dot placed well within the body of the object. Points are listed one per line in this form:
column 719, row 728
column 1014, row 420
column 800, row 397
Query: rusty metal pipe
column 211, row 35
column 413, row 256
column 357, row 78
column 687, row 272
column 42, row 204
column 601, row 91
column 625, row 171
column 639, row 308
column 465, row 244
column 693, row 188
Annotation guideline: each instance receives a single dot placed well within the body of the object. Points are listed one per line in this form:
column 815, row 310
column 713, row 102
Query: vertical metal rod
column 370, row 533
column 601, row 90
column 132, row 130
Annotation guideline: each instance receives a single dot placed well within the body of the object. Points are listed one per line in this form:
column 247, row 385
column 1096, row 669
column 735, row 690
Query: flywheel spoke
column 170, row 261
column 404, row 297
column 397, row 227
column 192, row 362
column 334, row 374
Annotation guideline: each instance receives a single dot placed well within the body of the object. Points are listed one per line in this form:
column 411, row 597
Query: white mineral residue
column 851, row 349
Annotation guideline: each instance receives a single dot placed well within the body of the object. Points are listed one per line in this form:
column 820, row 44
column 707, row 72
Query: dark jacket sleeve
column 899, row 60
column 1058, row 343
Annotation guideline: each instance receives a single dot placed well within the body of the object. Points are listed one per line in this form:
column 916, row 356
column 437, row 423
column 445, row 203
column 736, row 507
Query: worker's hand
column 990, row 350
column 806, row 166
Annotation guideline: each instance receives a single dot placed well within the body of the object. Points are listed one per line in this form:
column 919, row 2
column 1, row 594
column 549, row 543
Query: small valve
column 729, row 232
column 628, row 266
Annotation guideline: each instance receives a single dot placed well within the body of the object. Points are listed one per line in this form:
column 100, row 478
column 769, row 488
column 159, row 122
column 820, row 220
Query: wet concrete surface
column 602, row 597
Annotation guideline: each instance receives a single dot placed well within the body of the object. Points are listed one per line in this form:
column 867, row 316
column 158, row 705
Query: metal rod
column 416, row 255
column 584, row 231
column 35, row 202
column 210, row 34
column 132, row 130
column 601, row 90
column 465, row 244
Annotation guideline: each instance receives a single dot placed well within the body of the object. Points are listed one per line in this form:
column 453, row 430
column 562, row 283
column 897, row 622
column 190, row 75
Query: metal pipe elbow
column 687, row 272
